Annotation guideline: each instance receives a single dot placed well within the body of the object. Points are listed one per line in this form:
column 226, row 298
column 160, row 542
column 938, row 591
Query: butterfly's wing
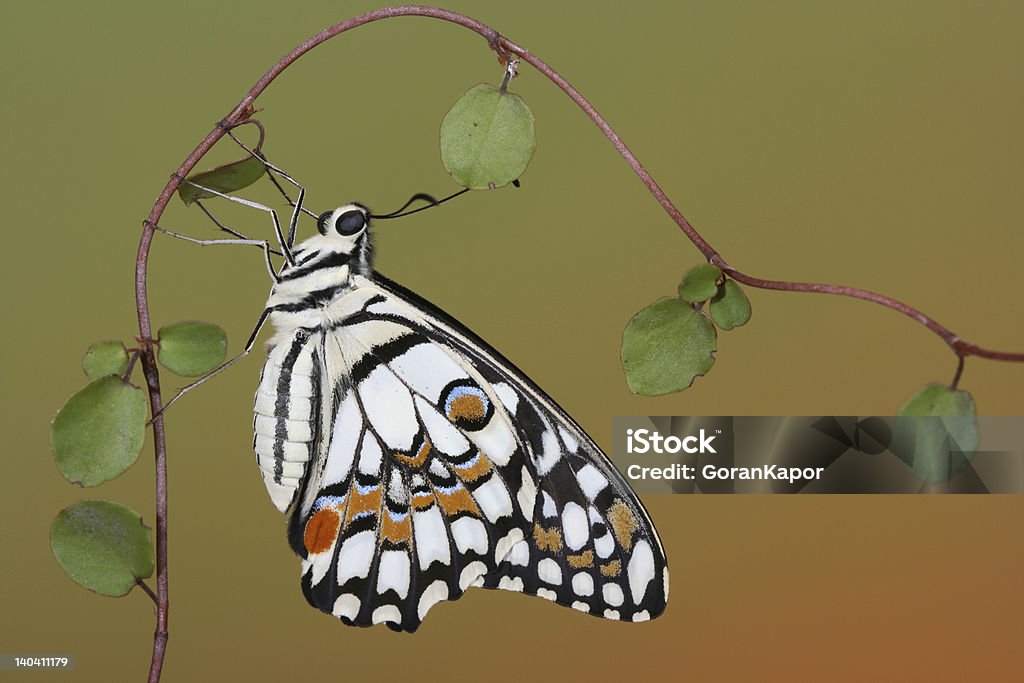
column 440, row 466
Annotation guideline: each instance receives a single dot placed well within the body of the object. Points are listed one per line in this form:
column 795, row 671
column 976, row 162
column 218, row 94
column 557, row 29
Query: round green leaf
column 105, row 358
column 936, row 433
column 666, row 346
column 940, row 400
column 700, row 284
column 487, row 138
column 191, row 348
column 224, row 179
column 103, row 546
column 99, row 432
column 730, row 307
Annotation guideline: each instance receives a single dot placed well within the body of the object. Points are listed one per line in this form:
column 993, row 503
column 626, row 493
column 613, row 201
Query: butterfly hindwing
column 590, row 545
column 438, row 467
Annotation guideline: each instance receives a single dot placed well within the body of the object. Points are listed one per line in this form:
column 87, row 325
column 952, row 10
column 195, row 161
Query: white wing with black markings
column 419, row 463
column 444, row 468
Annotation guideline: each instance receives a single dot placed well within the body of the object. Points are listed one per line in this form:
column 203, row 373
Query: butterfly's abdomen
column 287, row 409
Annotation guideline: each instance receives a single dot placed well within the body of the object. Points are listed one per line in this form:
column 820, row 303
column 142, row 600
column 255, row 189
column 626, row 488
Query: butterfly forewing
column 437, row 466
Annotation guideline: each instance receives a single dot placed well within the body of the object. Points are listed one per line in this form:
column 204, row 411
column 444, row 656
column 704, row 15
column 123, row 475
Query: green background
column 876, row 144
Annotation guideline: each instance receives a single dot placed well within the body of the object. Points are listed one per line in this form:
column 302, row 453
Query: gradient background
column 876, row 144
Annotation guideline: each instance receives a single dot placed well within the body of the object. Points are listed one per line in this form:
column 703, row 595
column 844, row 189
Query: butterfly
column 417, row 462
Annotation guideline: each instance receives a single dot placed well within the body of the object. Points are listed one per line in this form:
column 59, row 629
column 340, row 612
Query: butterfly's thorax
column 323, row 273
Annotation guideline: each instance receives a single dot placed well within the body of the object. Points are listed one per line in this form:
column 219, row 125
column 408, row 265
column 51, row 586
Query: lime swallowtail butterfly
column 416, row 462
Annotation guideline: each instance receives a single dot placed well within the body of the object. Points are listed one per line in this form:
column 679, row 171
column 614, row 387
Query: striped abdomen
column 287, row 407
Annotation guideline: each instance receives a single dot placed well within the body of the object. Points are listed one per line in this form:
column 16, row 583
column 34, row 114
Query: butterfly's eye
column 350, row 222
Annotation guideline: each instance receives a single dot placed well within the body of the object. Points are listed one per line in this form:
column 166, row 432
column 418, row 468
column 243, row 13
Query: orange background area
column 873, row 144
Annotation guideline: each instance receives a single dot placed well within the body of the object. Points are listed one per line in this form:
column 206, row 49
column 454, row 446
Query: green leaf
column 99, row 432
column 105, row 358
column 487, row 138
column 936, row 433
column 191, row 348
column 700, row 284
column 225, row 179
column 730, row 307
column 939, row 399
column 103, row 546
column 666, row 346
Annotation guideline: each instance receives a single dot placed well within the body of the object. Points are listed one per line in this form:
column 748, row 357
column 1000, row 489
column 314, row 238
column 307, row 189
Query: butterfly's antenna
column 431, row 203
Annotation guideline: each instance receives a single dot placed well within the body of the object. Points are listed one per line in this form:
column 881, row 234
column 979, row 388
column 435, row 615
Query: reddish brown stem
column 960, row 347
column 505, row 48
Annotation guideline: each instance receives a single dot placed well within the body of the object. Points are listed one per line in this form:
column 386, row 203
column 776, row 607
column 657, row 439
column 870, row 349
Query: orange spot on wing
column 547, row 539
column 396, row 530
column 456, row 501
column 364, row 502
column 478, row 469
column 415, row 460
column 613, row 568
column 467, row 407
column 581, row 561
column 623, row 523
column 321, row 530
column 421, row 501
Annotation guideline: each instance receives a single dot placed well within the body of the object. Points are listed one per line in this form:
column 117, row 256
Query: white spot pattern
column 549, row 572
column 612, row 594
column 574, row 522
column 583, row 584
column 641, row 570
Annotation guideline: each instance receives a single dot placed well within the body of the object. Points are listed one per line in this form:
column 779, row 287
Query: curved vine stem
column 506, row 50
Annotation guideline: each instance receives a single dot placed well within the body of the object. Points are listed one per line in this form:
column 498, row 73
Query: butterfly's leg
column 255, row 205
column 225, row 228
column 296, row 205
column 241, row 240
column 223, row 366
column 295, row 215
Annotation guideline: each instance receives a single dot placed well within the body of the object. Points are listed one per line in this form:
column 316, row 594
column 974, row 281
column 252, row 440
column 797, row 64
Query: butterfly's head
column 346, row 230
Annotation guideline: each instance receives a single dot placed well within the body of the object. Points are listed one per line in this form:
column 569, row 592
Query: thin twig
column 960, row 347
column 126, row 375
column 505, row 49
column 959, row 371
column 149, row 591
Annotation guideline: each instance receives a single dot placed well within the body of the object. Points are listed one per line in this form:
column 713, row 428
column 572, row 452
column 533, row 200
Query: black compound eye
column 350, row 222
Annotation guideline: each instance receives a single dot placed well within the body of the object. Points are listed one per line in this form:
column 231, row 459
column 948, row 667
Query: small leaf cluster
column 96, row 436
column 670, row 343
